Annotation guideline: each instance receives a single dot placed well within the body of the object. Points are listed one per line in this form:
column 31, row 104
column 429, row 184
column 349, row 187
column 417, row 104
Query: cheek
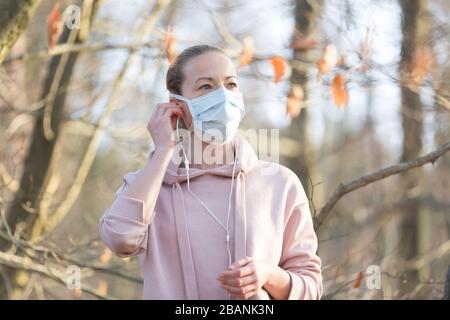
column 187, row 89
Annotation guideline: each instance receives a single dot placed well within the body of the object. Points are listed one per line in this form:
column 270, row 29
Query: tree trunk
column 23, row 213
column 303, row 165
column 412, row 121
column 14, row 18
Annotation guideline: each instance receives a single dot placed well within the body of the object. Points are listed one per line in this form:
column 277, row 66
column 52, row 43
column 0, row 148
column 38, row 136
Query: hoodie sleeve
column 299, row 256
column 124, row 225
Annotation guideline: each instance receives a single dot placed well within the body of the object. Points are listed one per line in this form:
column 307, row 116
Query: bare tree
column 46, row 128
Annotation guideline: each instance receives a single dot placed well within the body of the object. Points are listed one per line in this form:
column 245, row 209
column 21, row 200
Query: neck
column 205, row 155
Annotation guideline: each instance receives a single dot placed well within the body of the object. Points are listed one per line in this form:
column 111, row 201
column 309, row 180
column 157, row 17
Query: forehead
column 209, row 64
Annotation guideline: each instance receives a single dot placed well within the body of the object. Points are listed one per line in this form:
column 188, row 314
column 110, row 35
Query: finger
column 239, row 291
column 156, row 111
column 173, row 100
column 173, row 114
column 240, row 282
column 171, row 109
column 176, row 101
column 162, row 107
column 236, row 273
column 250, row 294
column 240, row 263
column 187, row 113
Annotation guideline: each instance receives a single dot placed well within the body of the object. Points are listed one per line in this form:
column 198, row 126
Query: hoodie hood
column 246, row 160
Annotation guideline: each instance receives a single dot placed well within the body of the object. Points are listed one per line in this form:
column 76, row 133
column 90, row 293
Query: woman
column 223, row 229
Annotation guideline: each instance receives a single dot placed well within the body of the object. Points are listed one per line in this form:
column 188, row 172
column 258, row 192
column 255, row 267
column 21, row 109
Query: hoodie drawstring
column 184, row 245
column 240, row 236
column 240, row 223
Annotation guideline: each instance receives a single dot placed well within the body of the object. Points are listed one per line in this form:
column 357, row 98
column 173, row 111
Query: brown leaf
column 295, row 101
column 421, row 64
column 339, row 91
column 279, row 67
column 54, row 25
column 246, row 55
column 358, row 280
column 328, row 60
column 169, row 45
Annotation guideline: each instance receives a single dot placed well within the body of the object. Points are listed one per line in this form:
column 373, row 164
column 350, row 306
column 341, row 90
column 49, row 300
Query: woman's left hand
column 245, row 277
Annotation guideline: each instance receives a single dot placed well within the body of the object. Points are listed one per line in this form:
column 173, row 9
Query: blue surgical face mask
column 216, row 115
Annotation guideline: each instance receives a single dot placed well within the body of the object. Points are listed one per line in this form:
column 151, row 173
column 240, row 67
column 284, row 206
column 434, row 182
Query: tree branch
column 360, row 182
column 26, row 264
column 82, row 47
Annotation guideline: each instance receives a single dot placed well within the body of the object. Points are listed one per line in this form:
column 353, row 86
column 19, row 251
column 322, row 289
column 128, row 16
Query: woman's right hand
column 161, row 125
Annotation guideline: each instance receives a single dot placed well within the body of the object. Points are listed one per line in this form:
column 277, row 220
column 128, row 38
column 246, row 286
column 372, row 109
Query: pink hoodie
column 182, row 249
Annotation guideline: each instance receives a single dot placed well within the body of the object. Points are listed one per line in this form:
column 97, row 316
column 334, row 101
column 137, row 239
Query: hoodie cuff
column 130, row 208
column 297, row 287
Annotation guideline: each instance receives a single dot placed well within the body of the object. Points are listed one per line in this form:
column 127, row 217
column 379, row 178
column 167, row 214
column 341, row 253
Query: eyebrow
column 211, row 79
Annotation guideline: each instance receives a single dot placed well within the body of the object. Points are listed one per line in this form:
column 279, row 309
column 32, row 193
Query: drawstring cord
column 226, row 228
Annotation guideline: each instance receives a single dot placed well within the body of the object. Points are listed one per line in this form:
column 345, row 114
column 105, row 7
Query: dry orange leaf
column 358, row 280
column 246, row 56
column 279, row 67
column 54, row 25
column 339, row 91
column 169, row 45
column 294, row 101
column 421, row 64
column 328, row 60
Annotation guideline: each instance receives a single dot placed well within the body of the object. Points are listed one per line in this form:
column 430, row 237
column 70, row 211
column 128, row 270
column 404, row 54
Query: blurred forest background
column 359, row 89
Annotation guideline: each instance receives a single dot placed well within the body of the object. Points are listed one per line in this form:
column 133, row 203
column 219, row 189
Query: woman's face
column 205, row 73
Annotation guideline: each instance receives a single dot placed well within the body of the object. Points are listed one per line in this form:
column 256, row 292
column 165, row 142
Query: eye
column 205, row 86
column 232, row 84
